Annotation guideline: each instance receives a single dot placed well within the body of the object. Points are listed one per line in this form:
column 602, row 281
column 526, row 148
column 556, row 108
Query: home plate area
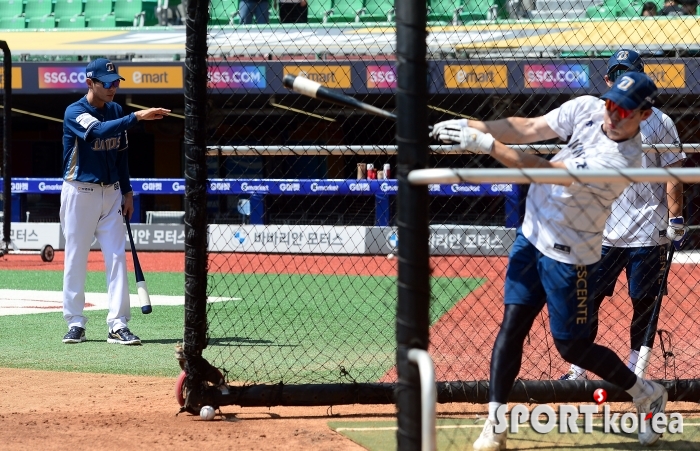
column 22, row 302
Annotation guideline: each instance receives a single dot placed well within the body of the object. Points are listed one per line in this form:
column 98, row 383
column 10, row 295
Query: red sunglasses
column 624, row 113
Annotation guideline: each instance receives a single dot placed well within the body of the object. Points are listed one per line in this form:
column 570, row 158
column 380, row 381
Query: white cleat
column 489, row 440
column 653, row 404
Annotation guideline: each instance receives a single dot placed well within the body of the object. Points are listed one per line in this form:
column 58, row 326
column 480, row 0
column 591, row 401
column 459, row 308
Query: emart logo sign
column 152, row 77
column 543, row 420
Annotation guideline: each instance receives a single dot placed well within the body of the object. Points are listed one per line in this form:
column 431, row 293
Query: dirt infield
column 50, row 411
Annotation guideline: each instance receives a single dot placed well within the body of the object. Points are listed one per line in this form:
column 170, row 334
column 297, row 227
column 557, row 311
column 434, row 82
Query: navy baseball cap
column 626, row 59
column 632, row 90
column 103, row 70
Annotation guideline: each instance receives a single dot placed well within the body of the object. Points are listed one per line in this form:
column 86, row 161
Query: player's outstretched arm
column 512, row 130
column 151, row 114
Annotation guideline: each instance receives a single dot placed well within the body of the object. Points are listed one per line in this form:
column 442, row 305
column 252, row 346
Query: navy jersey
column 95, row 144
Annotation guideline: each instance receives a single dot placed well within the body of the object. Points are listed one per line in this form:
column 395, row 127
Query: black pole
column 412, row 318
column 7, row 144
column 196, row 49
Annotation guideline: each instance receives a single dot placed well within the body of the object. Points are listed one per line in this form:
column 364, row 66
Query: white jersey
column 567, row 223
column 640, row 215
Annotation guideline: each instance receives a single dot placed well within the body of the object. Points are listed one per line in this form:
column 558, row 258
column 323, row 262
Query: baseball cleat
column 572, row 376
column 75, row 335
column 489, row 440
column 650, row 406
column 123, row 337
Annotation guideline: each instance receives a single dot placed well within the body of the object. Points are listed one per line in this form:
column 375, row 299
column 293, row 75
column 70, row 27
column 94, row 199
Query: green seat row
column 225, row 12
column 70, row 14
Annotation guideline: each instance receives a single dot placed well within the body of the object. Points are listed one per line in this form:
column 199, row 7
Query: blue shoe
column 75, row 335
column 123, row 337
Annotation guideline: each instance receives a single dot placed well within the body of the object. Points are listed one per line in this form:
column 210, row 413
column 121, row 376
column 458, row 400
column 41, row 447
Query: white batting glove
column 454, row 125
column 470, row 139
column 676, row 231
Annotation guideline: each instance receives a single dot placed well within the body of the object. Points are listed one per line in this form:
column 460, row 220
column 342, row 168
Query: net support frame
column 413, row 305
column 7, row 144
column 428, row 393
column 554, row 176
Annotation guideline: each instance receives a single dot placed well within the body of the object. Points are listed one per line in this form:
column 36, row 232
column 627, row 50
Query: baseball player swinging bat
column 140, row 280
column 645, row 351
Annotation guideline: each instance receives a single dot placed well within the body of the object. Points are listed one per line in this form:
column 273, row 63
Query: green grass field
column 459, row 434
column 296, row 328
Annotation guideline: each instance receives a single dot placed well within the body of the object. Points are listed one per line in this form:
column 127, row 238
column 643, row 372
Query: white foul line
column 23, row 302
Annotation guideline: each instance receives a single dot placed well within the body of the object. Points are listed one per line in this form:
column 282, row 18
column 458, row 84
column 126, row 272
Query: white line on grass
column 22, row 302
column 459, row 426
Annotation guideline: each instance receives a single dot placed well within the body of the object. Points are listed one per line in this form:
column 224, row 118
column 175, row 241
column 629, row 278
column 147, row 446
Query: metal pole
column 7, row 144
column 412, row 317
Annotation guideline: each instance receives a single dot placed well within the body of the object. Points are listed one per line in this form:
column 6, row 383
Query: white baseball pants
column 90, row 210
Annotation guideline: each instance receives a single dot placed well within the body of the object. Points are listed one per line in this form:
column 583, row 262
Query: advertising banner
column 302, row 239
column 147, row 237
column 328, row 76
column 447, row 240
column 29, row 236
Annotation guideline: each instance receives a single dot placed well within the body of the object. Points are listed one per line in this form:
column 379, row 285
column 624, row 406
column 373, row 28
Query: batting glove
column 454, row 125
column 677, row 232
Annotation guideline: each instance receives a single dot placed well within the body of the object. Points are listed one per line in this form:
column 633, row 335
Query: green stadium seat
column 37, row 8
column 101, row 22
column 70, row 22
column 41, row 22
column 68, row 8
column 11, row 8
column 12, row 23
column 129, row 13
column 456, row 12
column 345, row 11
column 97, row 8
column 611, row 9
column 319, row 10
column 223, row 12
column 378, row 11
column 483, row 10
column 274, row 17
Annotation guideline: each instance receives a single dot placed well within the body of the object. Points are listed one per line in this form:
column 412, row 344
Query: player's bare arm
column 674, row 193
column 512, row 130
column 517, row 130
column 512, row 158
column 151, row 114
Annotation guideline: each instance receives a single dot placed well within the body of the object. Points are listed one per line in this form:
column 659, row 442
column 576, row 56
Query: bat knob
column 288, row 81
column 146, row 309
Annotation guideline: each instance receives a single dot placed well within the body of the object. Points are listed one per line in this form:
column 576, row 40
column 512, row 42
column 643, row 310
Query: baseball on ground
column 207, row 413
column 390, row 256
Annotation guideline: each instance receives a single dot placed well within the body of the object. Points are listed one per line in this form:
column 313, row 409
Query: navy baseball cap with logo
column 622, row 61
column 103, row 70
column 632, row 90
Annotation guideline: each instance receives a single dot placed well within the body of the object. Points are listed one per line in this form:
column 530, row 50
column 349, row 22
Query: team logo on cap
column 110, row 67
column 623, row 55
column 625, row 83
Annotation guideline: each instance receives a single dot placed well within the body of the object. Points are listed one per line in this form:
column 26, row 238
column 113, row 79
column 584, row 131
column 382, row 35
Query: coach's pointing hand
column 151, row 114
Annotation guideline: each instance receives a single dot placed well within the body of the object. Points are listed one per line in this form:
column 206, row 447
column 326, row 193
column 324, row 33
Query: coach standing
column 96, row 194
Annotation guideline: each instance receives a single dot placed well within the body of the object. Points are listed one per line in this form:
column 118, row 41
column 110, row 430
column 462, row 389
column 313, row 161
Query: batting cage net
column 301, row 180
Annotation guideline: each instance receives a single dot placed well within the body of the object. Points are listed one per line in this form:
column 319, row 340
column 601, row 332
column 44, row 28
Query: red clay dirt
column 69, row 411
